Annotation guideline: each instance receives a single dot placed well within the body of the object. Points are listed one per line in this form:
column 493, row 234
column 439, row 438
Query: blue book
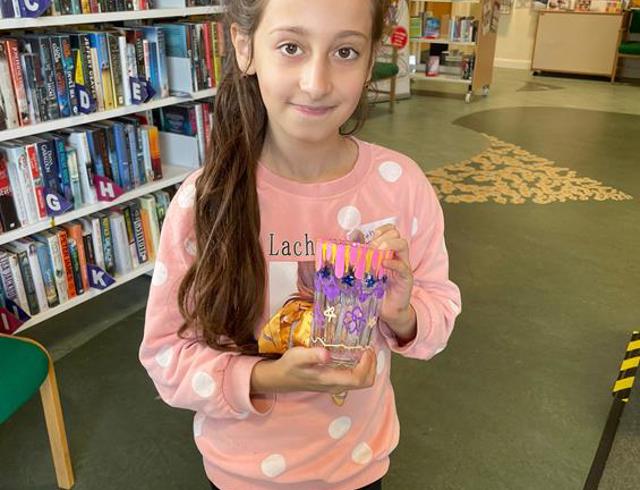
column 96, row 156
column 62, row 92
column 63, row 166
column 158, row 56
column 123, row 156
column 132, row 144
column 47, row 157
column 48, row 274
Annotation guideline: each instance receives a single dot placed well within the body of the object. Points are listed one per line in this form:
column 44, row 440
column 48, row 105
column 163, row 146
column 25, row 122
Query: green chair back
column 23, row 368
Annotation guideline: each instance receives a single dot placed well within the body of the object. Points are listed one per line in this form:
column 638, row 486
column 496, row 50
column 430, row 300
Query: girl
column 282, row 172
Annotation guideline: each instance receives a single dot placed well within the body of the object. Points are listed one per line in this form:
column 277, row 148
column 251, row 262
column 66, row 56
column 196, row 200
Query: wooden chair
column 386, row 71
column 25, row 367
column 626, row 47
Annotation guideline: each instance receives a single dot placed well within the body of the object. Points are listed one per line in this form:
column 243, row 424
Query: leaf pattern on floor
column 507, row 174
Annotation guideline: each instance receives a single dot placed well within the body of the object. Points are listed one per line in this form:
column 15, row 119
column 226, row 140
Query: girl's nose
column 316, row 78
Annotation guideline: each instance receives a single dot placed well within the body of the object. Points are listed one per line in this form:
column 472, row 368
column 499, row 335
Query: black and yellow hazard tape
column 628, row 369
column 621, row 392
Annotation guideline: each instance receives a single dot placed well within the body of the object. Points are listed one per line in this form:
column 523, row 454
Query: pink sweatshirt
column 305, row 441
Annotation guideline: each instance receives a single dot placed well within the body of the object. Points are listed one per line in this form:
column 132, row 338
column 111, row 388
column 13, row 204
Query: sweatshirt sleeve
column 435, row 298
column 187, row 373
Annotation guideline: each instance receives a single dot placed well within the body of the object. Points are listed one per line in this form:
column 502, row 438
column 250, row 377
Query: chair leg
column 55, row 427
column 392, row 94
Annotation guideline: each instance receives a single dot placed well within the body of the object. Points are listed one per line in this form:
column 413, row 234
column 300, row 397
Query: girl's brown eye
column 290, row 49
column 347, row 53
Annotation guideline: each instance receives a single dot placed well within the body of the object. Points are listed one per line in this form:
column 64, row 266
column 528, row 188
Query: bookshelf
column 87, row 296
column 70, row 20
column 477, row 49
column 68, row 122
column 173, row 172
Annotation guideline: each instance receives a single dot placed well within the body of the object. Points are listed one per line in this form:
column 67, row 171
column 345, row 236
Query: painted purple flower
column 379, row 288
column 354, row 320
column 330, row 288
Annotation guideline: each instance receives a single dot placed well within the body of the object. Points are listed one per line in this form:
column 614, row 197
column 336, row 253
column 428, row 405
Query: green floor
column 518, row 399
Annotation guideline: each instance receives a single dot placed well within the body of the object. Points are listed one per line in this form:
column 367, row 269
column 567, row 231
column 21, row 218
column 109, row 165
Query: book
column 40, row 45
column 78, row 139
column 107, row 243
column 51, row 241
column 63, row 240
column 60, row 77
column 27, row 62
column 15, row 69
column 74, row 230
column 31, row 151
column 9, row 117
column 121, row 251
column 47, row 272
column 75, row 266
column 21, row 253
column 131, row 236
column 150, row 215
column 74, row 176
column 12, row 283
column 16, row 160
column 141, row 246
column 8, row 214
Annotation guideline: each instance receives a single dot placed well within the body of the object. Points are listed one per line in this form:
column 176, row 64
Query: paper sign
column 86, row 104
column 56, row 204
column 98, row 278
column 33, row 8
column 399, row 37
column 106, row 189
column 141, row 90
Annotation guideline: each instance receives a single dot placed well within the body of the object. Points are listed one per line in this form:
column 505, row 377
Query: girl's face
column 312, row 59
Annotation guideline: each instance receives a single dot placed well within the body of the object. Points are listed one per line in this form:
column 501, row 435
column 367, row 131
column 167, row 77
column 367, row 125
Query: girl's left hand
column 396, row 310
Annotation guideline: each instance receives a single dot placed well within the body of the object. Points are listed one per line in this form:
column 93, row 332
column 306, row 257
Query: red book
column 8, row 214
column 36, row 176
column 17, row 80
column 208, row 55
column 206, row 111
column 66, row 259
column 74, row 230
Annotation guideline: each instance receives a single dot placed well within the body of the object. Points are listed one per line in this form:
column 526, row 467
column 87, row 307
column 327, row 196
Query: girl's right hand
column 308, row 369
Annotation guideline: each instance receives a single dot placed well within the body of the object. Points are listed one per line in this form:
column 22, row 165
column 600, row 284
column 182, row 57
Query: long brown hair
column 222, row 295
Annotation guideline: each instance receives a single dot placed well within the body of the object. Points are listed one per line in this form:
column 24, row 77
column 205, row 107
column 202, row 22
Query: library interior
column 412, row 198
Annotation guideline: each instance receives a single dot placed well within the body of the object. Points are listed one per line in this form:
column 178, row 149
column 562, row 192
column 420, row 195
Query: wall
column 516, row 33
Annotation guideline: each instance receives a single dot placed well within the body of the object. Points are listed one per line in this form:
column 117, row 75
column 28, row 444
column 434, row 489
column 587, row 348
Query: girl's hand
column 307, row 369
column 396, row 310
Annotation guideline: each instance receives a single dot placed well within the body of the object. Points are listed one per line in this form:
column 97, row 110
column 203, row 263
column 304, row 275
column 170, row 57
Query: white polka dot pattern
column 414, row 227
column 381, row 361
column 390, row 171
column 349, row 217
column 164, row 356
column 203, row 384
column 160, row 274
column 362, row 453
column 339, row 427
column 190, row 247
column 454, row 307
column 198, row 422
column 187, row 196
column 273, row 465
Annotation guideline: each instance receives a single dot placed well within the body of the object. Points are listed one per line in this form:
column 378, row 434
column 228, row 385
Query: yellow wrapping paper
column 289, row 327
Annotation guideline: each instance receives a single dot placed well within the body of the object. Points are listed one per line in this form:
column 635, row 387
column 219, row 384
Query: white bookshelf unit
column 173, row 172
column 483, row 47
column 70, row 20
